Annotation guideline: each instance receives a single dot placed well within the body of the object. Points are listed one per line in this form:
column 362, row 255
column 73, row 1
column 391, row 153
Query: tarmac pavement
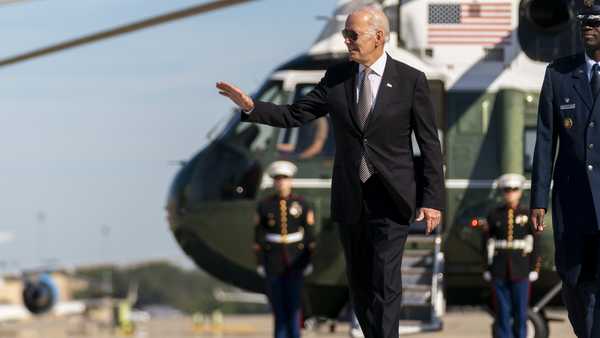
column 458, row 323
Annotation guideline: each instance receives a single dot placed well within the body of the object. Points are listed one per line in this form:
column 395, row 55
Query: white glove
column 533, row 276
column 487, row 276
column 260, row 270
column 307, row 270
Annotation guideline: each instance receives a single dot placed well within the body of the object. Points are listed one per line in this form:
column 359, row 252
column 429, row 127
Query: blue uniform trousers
column 285, row 294
column 511, row 300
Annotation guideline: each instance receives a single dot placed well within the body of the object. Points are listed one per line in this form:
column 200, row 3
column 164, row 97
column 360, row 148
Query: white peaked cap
column 282, row 168
column 511, row 181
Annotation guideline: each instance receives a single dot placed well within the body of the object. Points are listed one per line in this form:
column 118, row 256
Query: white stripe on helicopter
column 453, row 183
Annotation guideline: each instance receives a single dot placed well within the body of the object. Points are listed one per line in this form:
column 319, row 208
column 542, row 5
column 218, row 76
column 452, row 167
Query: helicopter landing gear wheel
column 537, row 325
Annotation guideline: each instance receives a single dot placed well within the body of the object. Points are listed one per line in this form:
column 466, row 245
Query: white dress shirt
column 375, row 76
column 589, row 62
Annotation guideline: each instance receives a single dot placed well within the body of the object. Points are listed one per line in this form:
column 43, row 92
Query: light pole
column 107, row 284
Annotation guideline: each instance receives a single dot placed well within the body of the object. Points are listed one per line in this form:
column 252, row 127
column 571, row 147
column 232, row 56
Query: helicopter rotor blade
column 10, row 2
column 120, row 30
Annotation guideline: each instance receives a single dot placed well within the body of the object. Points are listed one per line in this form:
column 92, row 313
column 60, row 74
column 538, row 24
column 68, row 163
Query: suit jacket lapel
column 350, row 85
column 582, row 84
column 383, row 92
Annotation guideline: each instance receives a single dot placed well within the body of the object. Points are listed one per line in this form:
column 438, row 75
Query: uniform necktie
column 595, row 81
column 365, row 102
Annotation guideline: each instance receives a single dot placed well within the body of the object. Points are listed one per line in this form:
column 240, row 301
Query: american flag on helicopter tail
column 470, row 23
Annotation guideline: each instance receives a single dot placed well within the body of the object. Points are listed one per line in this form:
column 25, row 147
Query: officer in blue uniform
column 284, row 242
column 511, row 258
column 567, row 152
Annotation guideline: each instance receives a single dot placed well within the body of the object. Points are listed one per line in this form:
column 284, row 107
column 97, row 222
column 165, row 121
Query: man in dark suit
column 569, row 115
column 375, row 102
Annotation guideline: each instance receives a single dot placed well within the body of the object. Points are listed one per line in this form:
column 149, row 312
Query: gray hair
column 377, row 20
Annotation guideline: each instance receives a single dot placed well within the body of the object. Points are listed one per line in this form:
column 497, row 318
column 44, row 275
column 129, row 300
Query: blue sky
column 87, row 135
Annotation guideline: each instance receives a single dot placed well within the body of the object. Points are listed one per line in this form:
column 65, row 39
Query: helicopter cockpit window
column 314, row 139
column 256, row 137
column 227, row 169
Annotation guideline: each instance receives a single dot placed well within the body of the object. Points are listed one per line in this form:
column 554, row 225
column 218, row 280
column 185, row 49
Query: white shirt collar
column 378, row 67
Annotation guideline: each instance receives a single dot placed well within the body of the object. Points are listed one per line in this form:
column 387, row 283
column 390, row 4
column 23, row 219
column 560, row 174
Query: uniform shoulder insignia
column 567, row 64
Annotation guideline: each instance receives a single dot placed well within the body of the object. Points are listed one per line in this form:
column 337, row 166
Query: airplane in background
column 40, row 295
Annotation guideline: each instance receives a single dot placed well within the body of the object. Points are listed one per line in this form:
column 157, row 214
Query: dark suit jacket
column 402, row 105
column 568, row 113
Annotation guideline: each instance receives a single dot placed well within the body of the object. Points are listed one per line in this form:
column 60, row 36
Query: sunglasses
column 350, row 34
column 509, row 189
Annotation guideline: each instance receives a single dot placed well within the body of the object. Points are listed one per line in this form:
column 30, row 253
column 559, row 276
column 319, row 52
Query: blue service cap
column 588, row 7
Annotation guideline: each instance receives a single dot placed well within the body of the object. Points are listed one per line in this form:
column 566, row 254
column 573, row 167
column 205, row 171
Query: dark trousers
column 511, row 299
column 284, row 293
column 373, row 250
column 583, row 300
column 583, row 305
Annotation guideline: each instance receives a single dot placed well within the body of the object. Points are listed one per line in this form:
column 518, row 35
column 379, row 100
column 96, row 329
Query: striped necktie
column 365, row 102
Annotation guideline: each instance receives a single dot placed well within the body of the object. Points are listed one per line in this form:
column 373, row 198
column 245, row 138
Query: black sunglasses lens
column 589, row 22
column 349, row 34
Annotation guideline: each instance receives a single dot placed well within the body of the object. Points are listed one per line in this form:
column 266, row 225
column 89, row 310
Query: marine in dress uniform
column 511, row 258
column 567, row 152
column 284, row 243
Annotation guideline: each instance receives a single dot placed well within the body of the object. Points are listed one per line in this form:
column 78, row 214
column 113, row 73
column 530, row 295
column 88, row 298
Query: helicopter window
column 226, row 170
column 314, row 139
column 254, row 136
column 529, row 145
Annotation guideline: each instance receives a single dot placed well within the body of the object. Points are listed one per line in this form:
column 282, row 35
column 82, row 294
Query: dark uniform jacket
column 568, row 124
column 284, row 216
column 510, row 225
column 402, row 105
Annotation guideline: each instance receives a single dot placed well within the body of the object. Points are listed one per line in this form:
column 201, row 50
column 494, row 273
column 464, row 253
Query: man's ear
column 380, row 37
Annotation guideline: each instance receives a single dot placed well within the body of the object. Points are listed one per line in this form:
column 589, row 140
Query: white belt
column 289, row 238
column 518, row 244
